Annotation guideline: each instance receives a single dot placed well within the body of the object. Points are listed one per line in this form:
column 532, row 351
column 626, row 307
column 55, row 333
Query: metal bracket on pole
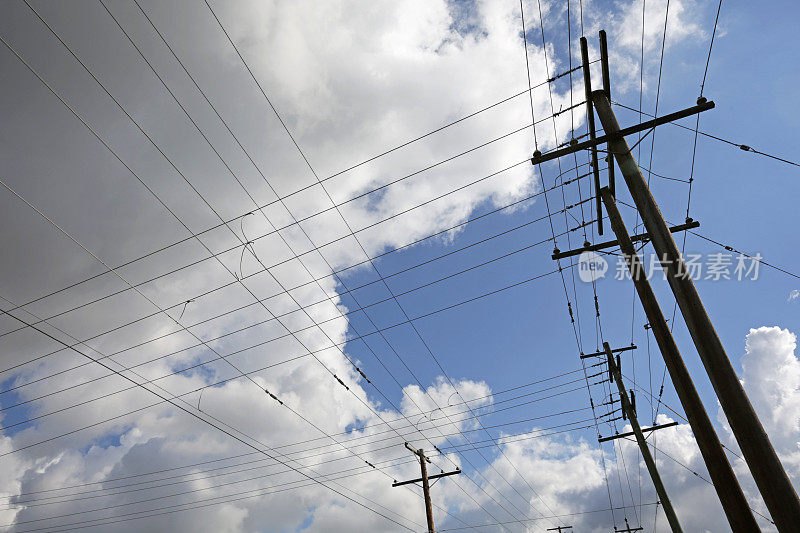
column 630, row 433
column 603, row 353
column 434, row 476
column 622, row 132
column 609, row 244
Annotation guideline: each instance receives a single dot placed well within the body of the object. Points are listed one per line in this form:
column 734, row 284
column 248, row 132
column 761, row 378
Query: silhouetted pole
column 730, row 494
column 776, row 489
column 587, row 84
column 672, row 518
column 426, row 489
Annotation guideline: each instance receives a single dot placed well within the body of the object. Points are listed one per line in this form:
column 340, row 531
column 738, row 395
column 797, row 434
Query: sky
column 251, row 249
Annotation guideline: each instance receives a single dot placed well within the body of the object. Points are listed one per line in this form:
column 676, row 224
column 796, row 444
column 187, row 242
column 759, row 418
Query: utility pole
column 672, row 518
column 587, row 84
column 607, row 88
column 560, row 529
column 736, row 508
column 426, row 489
column 770, row 477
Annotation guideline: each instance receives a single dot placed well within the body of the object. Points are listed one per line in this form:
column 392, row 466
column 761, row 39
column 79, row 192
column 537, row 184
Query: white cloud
column 351, row 79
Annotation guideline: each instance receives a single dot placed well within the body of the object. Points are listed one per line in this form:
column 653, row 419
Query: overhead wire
column 219, row 428
column 286, row 243
column 298, row 191
column 134, row 174
column 197, row 297
column 186, row 180
column 196, row 505
column 370, row 439
column 742, row 147
column 360, row 428
column 372, row 263
column 315, row 248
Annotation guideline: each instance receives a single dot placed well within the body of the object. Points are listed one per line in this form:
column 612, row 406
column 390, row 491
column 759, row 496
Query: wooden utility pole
column 770, row 477
column 607, row 88
column 426, row 489
column 560, row 529
column 672, row 518
column 725, row 483
column 587, row 84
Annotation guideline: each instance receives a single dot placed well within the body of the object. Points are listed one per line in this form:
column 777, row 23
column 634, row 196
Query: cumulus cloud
column 350, row 80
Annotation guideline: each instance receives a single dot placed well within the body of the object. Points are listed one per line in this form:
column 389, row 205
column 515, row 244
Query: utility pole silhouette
column 736, row 508
column 426, row 489
column 627, row 408
column 776, row 489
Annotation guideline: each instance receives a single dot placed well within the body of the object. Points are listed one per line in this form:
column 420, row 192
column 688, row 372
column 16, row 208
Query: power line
column 493, row 395
column 370, row 439
column 202, row 419
column 305, row 328
column 313, row 249
column 160, row 201
column 290, row 248
column 526, row 435
column 743, row 147
column 360, row 245
column 732, row 249
column 277, row 200
column 711, row 44
column 159, row 337
column 470, row 300
column 203, row 504
column 234, row 233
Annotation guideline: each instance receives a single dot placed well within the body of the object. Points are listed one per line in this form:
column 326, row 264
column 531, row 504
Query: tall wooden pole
column 730, row 494
column 426, row 490
column 672, row 518
column 587, row 85
column 770, row 477
column 607, row 88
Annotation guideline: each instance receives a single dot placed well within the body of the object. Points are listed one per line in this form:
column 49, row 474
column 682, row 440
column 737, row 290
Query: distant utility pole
column 560, row 529
column 672, row 518
column 426, row 489
column 727, row 486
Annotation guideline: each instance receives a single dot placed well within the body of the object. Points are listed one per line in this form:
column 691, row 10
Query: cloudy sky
column 251, row 248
